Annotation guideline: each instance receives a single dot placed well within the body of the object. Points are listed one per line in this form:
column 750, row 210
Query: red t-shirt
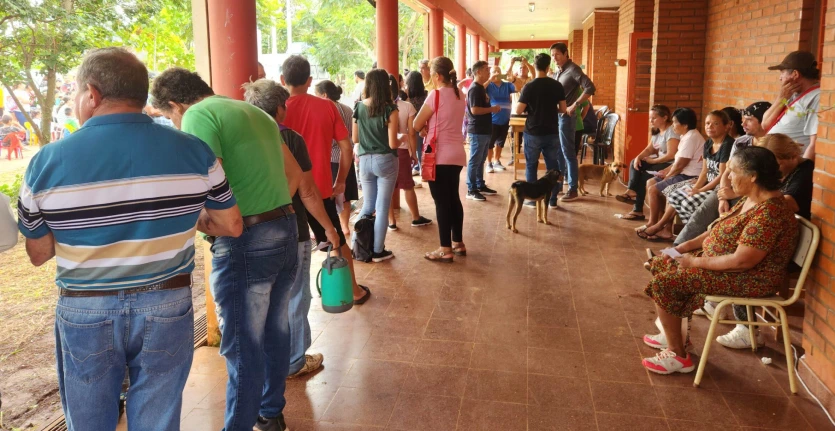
column 319, row 123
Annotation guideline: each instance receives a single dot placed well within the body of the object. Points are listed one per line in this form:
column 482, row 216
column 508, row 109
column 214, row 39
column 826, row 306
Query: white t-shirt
column 404, row 111
column 358, row 91
column 801, row 119
column 659, row 141
column 8, row 225
column 691, row 146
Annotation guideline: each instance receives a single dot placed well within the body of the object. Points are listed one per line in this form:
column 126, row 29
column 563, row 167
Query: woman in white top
column 687, row 164
column 658, row 155
column 406, row 153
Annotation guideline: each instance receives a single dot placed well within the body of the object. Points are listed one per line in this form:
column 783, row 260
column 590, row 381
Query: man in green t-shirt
column 251, row 275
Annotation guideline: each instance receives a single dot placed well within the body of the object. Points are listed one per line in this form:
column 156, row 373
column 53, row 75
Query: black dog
column 538, row 191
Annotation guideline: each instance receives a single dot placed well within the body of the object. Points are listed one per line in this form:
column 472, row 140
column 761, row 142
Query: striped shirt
column 347, row 115
column 121, row 197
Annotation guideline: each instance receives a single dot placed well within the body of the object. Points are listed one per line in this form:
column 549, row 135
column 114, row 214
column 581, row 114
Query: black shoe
column 273, row 424
column 381, row 256
column 553, row 203
column 531, row 204
column 421, row 221
column 393, row 226
column 476, row 196
column 487, row 191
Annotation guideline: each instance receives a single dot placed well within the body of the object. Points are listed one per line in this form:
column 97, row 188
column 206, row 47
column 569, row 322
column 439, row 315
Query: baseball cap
column 757, row 110
column 797, row 60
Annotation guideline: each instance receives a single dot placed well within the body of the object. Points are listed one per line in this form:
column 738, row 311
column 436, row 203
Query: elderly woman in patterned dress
column 745, row 253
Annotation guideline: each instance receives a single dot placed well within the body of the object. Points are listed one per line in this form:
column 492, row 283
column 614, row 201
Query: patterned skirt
column 686, row 205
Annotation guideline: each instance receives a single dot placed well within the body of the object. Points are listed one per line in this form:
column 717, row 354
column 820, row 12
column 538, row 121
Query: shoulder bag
column 430, row 147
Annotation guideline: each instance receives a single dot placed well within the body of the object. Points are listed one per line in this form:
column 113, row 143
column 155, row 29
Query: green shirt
column 249, row 143
column 374, row 131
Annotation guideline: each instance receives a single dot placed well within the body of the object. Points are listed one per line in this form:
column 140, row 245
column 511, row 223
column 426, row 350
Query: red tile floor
column 539, row 330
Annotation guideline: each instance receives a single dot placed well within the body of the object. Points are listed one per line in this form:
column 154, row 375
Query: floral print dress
column 769, row 226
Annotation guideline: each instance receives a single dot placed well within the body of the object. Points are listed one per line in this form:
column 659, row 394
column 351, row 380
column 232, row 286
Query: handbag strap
column 437, row 108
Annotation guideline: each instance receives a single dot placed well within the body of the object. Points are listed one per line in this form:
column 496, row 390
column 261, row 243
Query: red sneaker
column 667, row 362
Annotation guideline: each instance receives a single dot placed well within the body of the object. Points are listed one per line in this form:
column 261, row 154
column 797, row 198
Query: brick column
column 575, row 46
column 604, row 53
column 678, row 54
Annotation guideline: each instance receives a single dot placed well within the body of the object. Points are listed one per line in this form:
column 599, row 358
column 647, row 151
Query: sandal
column 652, row 237
column 438, row 256
column 641, row 228
column 625, row 199
column 365, row 297
column 460, row 250
column 632, row 216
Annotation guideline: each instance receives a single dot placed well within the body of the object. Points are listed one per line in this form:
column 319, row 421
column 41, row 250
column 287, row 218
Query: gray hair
column 424, row 62
column 267, row 95
column 6, row 119
column 117, row 74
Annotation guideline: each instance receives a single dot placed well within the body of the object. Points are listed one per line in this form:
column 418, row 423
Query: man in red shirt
column 319, row 123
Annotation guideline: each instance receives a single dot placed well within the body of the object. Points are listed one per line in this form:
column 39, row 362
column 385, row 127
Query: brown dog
column 538, row 191
column 605, row 173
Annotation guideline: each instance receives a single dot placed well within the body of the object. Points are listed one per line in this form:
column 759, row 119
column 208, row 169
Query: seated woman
column 658, row 155
column 687, row 164
column 746, row 253
column 685, row 200
column 735, row 130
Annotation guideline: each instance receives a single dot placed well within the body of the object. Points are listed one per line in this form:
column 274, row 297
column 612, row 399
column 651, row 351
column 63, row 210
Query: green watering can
column 334, row 284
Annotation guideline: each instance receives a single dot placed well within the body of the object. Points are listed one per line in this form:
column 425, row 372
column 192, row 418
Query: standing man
column 479, row 129
column 359, row 79
column 319, row 122
column 795, row 111
column 499, row 92
column 252, row 275
column 543, row 99
column 117, row 203
column 571, row 77
column 427, row 76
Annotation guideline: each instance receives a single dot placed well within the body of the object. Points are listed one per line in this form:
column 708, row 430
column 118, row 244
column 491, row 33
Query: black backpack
column 363, row 245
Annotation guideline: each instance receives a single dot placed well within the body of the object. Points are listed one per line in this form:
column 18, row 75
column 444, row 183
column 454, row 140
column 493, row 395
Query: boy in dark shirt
column 479, row 129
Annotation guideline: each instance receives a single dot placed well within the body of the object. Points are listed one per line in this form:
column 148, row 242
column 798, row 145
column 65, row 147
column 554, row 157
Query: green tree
column 163, row 35
column 40, row 40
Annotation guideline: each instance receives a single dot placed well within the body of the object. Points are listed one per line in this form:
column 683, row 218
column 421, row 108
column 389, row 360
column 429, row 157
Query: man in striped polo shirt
column 252, row 275
column 117, row 204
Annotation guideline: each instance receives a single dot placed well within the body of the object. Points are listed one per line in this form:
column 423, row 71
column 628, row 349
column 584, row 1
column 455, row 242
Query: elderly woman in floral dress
column 746, row 253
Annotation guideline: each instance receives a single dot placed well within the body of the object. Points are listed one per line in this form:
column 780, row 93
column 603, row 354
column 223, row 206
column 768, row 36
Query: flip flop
column 630, row 216
column 365, row 297
column 656, row 238
column 434, row 256
column 625, row 199
column 642, row 233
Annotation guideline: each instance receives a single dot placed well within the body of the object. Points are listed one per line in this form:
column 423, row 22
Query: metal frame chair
column 804, row 253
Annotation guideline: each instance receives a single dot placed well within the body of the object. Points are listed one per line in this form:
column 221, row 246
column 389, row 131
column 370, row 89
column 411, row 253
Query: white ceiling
column 552, row 19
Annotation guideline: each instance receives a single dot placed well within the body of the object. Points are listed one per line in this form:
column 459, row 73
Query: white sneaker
column 738, row 338
column 489, row 168
column 708, row 307
column 418, row 185
column 667, row 362
column 498, row 166
column 659, row 341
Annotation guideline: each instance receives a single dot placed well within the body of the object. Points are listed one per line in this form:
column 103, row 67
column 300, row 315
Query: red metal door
column 636, row 123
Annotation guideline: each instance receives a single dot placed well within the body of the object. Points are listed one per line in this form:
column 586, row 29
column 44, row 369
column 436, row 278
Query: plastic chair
column 804, row 253
column 604, row 139
column 13, row 140
column 588, row 139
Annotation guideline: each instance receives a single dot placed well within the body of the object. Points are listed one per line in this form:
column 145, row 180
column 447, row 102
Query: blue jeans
column 475, row 166
column 419, row 151
column 549, row 147
column 251, row 280
column 567, row 125
column 300, row 298
column 378, row 174
column 95, row 337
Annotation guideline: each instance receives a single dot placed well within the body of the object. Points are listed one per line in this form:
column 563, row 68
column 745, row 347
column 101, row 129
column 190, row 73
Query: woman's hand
column 422, row 132
column 694, row 191
column 637, row 164
column 724, row 206
column 687, row 261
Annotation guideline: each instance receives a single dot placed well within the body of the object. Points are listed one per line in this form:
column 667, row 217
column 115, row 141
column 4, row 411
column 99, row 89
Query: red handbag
column 427, row 161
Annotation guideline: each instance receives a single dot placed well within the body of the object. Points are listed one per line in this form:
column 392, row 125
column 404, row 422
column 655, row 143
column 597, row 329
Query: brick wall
column 742, row 39
column 634, row 16
column 575, row 45
column 588, row 42
column 605, row 53
column 819, row 319
column 678, row 53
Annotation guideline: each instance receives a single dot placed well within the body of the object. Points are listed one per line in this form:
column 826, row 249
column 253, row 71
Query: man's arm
column 810, row 150
column 346, row 156
column 520, row 107
column 225, row 222
column 40, row 250
column 312, row 201
column 292, row 170
column 588, row 88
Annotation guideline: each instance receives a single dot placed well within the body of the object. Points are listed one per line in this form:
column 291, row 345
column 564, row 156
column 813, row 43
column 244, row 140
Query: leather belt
column 178, row 281
column 271, row 215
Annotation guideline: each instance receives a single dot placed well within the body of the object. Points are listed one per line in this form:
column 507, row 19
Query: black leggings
column 638, row 181
column 448, row 208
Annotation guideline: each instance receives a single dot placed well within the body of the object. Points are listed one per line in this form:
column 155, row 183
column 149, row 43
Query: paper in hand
column 672, row 252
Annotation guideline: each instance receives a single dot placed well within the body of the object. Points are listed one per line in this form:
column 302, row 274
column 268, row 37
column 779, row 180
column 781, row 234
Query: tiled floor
column 538, row 330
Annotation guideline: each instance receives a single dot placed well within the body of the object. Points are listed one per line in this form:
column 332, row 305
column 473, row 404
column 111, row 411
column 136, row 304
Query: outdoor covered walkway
column 539, row 330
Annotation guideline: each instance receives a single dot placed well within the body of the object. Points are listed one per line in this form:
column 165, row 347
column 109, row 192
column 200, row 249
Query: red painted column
column 476, row 48
column 387, row 36
column 461, row 49
column 482, row 50
column 436, row 33
column 233, row 45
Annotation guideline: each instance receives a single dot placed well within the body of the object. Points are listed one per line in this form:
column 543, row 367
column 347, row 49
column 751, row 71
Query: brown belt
column 271, row 215
column 182, row 280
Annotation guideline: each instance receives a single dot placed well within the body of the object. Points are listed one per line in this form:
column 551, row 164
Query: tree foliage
column 162, row 35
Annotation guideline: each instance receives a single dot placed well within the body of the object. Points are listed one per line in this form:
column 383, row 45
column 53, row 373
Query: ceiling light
column 531, row 6
column 531, row 36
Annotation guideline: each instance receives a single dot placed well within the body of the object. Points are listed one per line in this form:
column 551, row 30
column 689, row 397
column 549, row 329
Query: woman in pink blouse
column 440, row 120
